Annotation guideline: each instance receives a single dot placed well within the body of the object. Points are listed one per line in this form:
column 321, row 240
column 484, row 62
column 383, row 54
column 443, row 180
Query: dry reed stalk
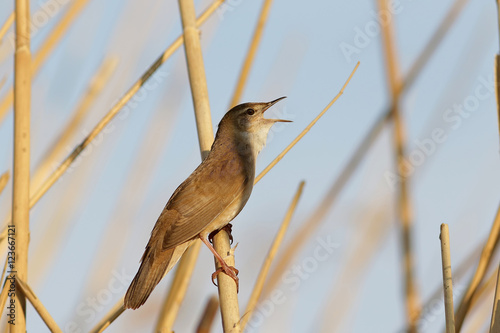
column 4, row 179
column 96, row 85
column 447, row 278
column 370, row 235
column 197, row 79
column 495, row 315
column 228, row 294
column 4, row 295
column 111, row 114
column 199, row 91
column 459, row 273
column 478, row 276
column 6, row 26
column 403, row 200
column 21, row 173
column 252, row 51
column 307, row 129
column 261, row 278
column 177, row 289
column 308, row 228
column 208, row 316
column 480, row 309
column 39, row 307
column 109, row 318
column 47, row 47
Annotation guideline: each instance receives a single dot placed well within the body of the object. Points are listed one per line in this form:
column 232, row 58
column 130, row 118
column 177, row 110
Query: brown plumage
column 208, row 199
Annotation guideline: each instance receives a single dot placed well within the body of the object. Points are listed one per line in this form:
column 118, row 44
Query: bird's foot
column 229, row 271
column 228, row 227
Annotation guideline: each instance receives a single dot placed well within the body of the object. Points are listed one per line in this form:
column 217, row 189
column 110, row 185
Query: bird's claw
column 229, row 271
column 228, row 227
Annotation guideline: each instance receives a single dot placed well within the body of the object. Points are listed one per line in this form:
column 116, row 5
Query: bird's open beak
column 268, row 105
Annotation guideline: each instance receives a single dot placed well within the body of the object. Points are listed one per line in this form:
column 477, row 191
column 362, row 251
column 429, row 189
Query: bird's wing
column 200, row 199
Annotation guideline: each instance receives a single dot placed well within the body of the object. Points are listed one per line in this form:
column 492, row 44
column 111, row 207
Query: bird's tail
column 153, row 267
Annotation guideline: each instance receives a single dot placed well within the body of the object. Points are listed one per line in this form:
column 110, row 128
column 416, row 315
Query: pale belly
column 229, row 213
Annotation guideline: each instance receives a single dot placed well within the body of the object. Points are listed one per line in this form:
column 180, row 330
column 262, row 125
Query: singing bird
column 208, row 199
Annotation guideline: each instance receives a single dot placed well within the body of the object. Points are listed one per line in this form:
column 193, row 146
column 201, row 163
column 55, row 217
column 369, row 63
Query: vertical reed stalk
column 20, row 197
column 403, row 205
column 227, row 289
column 447, row 279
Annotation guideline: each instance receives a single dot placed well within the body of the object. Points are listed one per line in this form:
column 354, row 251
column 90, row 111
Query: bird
column 211, row 197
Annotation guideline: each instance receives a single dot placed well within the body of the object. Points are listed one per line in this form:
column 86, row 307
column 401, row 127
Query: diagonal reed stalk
column 21, row 179
column 4, row 179
column 6, row 26
column 252, row 51
column 208, row 316
column 447, row 279
column 402, row 195
column 307, row 129
column 495, row 315
column 271, row 254
column 61, row 169
column 110, row 317
column 484, row 262
column 48, row 46
column 39, row 307
column 97, row 84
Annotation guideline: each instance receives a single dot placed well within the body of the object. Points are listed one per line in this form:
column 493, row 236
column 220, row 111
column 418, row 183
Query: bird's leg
column 229, row 229
column 229, row 270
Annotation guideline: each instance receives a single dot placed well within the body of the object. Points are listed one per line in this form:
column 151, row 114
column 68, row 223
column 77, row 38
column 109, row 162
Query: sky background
column 98, row 217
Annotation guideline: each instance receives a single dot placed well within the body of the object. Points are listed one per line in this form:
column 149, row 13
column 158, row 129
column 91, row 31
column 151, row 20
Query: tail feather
column 149, row 275
column 153, row 267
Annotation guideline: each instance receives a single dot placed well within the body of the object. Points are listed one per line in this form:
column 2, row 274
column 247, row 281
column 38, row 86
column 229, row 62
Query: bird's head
column 249, row 117
column 246, row 121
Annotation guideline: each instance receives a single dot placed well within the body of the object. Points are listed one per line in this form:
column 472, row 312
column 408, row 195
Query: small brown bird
column 207, row 200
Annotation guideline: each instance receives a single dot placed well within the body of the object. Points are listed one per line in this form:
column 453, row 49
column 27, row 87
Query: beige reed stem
column 20, row 197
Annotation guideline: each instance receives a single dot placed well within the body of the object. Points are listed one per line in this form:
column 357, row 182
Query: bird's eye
column 250, row 112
